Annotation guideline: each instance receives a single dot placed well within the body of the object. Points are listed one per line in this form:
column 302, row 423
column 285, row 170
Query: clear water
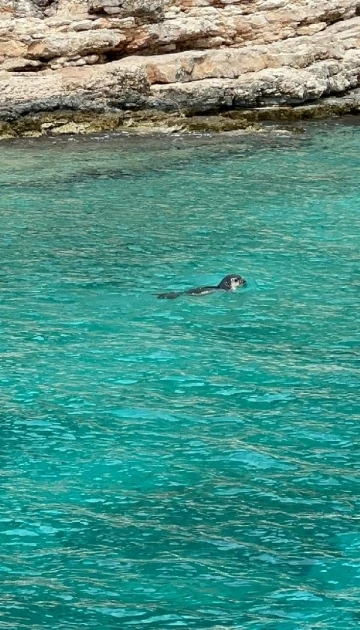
column 190, row 463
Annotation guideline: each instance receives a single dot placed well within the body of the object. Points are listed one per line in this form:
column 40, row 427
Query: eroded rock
column 180, row 56
column 147, row 10
column 72, row 44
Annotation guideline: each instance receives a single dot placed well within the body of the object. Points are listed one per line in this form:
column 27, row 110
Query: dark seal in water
column 229, row 283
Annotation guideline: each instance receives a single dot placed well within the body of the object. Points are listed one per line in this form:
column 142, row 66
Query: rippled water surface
column 190, row 463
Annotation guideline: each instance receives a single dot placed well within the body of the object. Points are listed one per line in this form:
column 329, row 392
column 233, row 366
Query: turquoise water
column 190, row 463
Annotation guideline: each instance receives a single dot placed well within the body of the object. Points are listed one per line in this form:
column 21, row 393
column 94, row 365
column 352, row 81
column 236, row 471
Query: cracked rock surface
column 193, row 56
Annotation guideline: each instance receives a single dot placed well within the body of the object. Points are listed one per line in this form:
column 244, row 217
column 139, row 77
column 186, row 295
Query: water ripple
column 191, row 463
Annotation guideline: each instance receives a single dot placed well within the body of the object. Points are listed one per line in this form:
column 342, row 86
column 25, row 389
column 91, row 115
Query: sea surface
column 190, row 463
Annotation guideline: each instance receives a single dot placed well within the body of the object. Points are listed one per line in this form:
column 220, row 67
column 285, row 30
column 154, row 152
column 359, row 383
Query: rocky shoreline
column 87, row 66
column 68, row 122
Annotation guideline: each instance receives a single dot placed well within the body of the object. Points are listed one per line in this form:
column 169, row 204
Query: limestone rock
column 70, row 44
column 148, row 10
column 193, row 56
column 18, row 64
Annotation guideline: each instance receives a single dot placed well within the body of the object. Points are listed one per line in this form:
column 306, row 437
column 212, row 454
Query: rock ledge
column 99, row 64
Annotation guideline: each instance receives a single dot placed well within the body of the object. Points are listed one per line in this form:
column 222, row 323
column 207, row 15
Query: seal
column 229, row 283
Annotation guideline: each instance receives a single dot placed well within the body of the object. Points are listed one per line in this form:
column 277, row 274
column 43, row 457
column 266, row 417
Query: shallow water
column 190, row 463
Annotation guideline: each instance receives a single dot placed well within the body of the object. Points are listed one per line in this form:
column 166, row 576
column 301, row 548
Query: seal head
column 231, row 283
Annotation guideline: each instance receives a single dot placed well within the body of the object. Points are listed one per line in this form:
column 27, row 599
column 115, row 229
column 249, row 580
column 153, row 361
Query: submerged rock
column 68, row 122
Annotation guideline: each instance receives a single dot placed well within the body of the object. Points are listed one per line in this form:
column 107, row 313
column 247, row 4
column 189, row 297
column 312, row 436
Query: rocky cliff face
column 183, row 56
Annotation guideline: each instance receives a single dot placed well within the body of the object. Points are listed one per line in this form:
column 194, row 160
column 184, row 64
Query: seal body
column 229, row 283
